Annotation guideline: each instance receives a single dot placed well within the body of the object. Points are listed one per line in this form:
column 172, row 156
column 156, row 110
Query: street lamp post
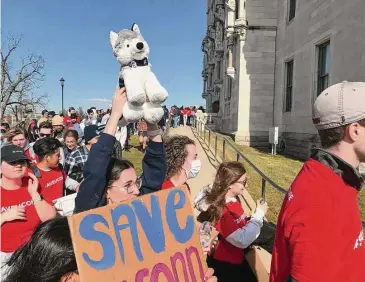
column 62, row 84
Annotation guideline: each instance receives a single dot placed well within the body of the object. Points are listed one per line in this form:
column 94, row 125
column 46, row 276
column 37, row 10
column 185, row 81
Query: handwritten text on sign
column 150, row 238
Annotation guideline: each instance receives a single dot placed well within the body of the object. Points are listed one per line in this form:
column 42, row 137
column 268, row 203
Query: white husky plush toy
column 144, row 92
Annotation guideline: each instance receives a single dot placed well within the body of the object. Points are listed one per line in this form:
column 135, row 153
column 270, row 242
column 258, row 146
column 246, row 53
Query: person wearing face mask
column 182, row 161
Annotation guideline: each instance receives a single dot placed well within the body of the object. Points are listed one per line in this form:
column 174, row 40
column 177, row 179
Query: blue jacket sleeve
column 91, row 192
column 154, row 168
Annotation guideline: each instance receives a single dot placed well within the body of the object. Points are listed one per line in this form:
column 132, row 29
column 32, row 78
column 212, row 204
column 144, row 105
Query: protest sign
column 150, row 238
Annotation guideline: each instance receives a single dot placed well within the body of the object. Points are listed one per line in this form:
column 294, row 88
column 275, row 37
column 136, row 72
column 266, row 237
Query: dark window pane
column 237, row 8
column 292, row 7
column 324, row 60
column 289, row 86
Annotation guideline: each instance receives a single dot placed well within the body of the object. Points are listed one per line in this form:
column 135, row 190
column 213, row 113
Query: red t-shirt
column 15, row 233
column 233, row 218
column 33, row 158
column 51, row 184
column 319, row 235
column 168, row 184
column 184, row 112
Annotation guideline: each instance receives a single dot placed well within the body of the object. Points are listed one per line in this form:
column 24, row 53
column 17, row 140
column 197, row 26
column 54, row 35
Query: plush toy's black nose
column 140, row 45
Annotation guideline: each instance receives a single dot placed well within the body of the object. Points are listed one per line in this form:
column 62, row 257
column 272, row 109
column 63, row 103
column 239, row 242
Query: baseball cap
column 91, row 131
column 12, row 153
column 339, row 105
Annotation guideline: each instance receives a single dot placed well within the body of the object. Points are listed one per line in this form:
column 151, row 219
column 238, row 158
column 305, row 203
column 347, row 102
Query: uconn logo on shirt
column 359, row 240
column 22, row 205
column 53, row 182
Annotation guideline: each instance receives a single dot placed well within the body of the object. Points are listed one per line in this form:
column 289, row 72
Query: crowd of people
column 319, row 233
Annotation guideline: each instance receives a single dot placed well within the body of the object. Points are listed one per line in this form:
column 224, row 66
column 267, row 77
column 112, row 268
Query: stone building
column 265, row 61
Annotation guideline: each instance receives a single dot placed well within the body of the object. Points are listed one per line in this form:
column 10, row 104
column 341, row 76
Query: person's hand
column 208, row 277
column 33, row 185
column 119, row 99
column 262, row 206
column 14, row 213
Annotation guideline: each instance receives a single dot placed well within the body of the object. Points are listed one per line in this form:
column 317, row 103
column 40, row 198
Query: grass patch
column 280, row 169
column 134, row 155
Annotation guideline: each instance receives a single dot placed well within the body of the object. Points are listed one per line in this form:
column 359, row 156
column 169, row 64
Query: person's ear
column 70, row 277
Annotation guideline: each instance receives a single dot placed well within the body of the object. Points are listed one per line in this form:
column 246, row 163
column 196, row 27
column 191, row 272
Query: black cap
column 90, row 132
column 12, row 153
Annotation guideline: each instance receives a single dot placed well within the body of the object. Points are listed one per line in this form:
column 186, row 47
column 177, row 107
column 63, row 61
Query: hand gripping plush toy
column 144, row 92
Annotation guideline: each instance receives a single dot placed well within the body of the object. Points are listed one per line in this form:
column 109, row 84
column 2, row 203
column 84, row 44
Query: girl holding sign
column 221, row 206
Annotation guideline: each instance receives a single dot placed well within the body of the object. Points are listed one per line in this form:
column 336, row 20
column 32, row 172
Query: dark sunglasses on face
column 19, row 162
column 3, row 130
column 44, row 135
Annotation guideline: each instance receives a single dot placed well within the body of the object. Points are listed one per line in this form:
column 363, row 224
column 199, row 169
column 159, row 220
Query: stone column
column 230, row 68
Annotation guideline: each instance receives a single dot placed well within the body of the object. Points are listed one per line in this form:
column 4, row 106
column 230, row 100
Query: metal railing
column 202, row 128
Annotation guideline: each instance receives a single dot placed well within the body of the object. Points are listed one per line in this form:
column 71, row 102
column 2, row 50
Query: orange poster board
column 149, row 238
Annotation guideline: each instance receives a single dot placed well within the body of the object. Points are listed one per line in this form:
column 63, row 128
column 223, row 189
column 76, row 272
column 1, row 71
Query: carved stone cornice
column 211, row 32
column 219, row 12
column 231, row 5
column 230, row 41
column 230, row 71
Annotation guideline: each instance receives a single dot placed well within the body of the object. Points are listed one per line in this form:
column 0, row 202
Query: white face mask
column 195, row 168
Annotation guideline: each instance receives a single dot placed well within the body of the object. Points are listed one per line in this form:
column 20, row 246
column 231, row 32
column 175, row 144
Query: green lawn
column 282, row 170
column 134, row 155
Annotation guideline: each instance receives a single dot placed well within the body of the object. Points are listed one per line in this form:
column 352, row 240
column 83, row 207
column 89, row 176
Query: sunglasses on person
column 44, row 135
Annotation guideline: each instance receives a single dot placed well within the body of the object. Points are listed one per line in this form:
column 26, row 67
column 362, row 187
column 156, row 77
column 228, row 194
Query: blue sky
column 73, row 37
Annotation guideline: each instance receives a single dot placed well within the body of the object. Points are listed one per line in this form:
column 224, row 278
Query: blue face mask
column 195, row 168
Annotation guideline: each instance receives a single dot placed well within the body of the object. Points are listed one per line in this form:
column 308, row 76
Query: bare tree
column 18, row 84
column 81, row 112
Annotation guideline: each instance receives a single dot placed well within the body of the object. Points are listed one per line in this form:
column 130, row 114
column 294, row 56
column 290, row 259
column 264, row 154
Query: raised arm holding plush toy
column 145, row 94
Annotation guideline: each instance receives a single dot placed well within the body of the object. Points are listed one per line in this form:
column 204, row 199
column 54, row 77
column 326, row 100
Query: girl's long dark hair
column 46, row 257
column 227, row 174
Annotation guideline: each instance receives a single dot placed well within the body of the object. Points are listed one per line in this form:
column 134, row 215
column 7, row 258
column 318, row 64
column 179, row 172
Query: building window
column 219, row 70
column 237, row 8
column 291, row 9
column 289, row 74
column 229, row 90
column 323, row 66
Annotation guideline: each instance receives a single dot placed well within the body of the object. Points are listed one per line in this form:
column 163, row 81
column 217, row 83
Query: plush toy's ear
column 113, row 38
column 135, row 28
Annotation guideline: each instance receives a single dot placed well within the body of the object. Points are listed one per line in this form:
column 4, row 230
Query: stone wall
column 341, row 22
column 256, row 74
